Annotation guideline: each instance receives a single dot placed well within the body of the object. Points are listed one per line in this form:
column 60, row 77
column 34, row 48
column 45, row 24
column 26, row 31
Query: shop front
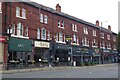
column 41, row 51
column 61, row 54
column 115, row 56
column 20, row 50
column 107, row 56
column 96, row 56
column 3, row 49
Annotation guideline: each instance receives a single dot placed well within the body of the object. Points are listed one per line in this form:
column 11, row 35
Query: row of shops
column 25, row 50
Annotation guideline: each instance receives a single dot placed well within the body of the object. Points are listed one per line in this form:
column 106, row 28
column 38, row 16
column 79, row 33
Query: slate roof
column 39, row 6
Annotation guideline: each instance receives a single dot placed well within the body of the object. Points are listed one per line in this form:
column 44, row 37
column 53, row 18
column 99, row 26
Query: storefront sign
column 21, row 45
column 2, row 39
column 42, row 44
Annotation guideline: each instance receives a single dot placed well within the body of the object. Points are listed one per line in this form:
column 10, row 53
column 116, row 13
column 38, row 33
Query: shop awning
column 20, row 45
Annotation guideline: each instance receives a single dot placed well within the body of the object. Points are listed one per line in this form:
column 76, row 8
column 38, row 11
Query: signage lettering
column 42, row 44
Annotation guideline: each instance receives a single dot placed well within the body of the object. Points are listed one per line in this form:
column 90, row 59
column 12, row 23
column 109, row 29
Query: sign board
column 42, row 44
column 2, row 39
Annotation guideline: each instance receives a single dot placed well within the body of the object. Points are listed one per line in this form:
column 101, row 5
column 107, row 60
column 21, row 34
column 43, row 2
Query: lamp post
column 102, row 56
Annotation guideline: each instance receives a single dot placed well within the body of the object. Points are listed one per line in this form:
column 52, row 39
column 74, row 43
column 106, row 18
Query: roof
column 39, row 6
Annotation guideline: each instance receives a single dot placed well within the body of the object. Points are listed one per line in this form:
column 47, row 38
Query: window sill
column 19, row 36
column 61, row 27
column 21, row 17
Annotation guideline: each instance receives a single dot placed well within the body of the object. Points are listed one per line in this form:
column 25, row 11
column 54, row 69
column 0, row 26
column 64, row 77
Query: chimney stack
column 58, row 8
column 109, row 27
column 97, row 23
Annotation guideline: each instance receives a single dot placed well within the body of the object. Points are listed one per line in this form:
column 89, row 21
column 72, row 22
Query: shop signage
column 107, row 51
column 21, row 45
column 2, row 39
column 42, row 44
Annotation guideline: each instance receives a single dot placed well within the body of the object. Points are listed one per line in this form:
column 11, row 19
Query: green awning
column 20, row 45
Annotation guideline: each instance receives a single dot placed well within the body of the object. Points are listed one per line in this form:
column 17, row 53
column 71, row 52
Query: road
column 101, row 71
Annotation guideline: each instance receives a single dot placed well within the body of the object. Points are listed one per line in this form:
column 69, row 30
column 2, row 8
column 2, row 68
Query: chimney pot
column 97, row 23
column 58, row 8
column 109, row 27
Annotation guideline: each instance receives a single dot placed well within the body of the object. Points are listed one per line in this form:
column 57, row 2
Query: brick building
column 36, row 32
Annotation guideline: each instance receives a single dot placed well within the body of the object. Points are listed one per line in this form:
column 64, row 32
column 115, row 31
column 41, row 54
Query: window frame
column 43, row 36
column 24, row 13
column 17, row 11
column 38, row 33
column 41, row 18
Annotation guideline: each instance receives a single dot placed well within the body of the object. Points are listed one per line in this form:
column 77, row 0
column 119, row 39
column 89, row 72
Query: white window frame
column 102, row 45
column 38, row 33
column 108, row 37
column 114, row 38
column 45, row 19
column 56, row 38
column 94, row 33
column 102, row 35
column 74, row 38
column 41, row 18
column 59, row 23
column 0, row 6
column 19, row 29
column 26, row 31
column 43, row 36
column 75, row 28
column 85, row 42
column 17, row 11
column 62, row 24
column 23, row 13
column 13, row 29
column 48, row 35
column 85, row 29
column 60, row 36
column 108, row 45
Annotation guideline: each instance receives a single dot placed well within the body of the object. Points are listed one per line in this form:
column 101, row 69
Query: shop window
column 17, row 12
column 43, row 34
column 38, row 33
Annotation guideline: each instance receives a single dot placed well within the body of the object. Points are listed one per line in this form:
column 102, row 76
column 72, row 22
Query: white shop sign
column 42, row 44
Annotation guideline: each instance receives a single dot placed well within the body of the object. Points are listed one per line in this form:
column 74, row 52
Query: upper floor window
column 94, row 43
column 56, row 37
column 41, row 18
column 102, row 35
column 26, row 31
column 74, row 27
column 23, row 13
column 45, row 19
column 13, row 29
column 94, row 33
column 74, row 39
column 17, row 12
column 62, row 24
column 108, row 37
column 19, row 29
column 60, row 37
column 38, row 33
column 108, row 45
column 102, row 44
column 0, row 6
column 85, row 41
column 114, row 38
column 58, row 23
column 48, row 35
column 85, row 30
column 43, row 34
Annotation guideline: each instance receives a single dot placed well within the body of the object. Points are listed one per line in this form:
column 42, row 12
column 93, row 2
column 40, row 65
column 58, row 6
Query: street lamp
column 102, row 56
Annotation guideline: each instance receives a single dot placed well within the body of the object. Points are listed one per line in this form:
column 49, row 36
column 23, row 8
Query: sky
column 106, row 11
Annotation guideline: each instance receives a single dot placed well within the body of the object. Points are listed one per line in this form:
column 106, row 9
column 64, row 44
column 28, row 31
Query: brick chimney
column 97, row 23
column 58, row 8
column 109, row 27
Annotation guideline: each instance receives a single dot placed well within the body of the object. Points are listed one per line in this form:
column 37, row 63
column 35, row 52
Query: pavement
column 46, row 68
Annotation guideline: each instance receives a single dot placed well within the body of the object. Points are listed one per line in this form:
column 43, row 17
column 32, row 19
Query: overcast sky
column 89, row 10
